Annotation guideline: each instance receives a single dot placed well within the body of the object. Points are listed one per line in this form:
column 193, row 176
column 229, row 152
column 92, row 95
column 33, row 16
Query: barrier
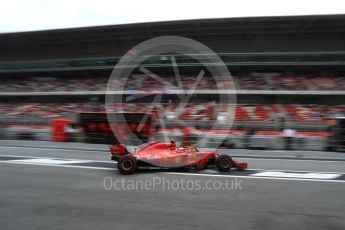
column 215, row 138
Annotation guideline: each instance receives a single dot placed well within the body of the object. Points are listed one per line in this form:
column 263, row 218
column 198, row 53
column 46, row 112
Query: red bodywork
column 168, row 156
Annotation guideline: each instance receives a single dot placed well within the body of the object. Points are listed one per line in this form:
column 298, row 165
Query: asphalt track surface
column 47, row 188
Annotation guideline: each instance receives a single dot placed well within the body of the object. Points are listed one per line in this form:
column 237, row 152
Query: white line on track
column 54, row 149
column 63, row 166
column 259, row 158
column 255, row 177
column 52, row 157
column 51, row 161
column 298, row 171
column 323, row 159
column 183, row 174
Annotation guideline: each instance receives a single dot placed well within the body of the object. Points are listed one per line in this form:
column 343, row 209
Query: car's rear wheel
column 224, row 163
column 127, row 164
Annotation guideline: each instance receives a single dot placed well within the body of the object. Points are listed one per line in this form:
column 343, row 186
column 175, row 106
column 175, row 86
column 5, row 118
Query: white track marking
column 64, row 166
column 54, row 148
column 176, row 173
column 51, row 161
column 255, row 177
column 297, row 171
column 111, row 162
column 259, row 158
column 68, row 159
column 207, row 170
column 322, row 176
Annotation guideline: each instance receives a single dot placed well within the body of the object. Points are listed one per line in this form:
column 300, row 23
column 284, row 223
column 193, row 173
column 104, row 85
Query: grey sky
column 26, row 15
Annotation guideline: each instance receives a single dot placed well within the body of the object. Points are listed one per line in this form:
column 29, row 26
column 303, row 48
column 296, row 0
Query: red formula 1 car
column 167, row 156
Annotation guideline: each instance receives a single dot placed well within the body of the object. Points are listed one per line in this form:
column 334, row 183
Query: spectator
column 72, row 132
column 289, row 135
column 249, row 134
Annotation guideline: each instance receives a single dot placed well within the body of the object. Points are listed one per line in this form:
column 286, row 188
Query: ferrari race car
column 167, row 156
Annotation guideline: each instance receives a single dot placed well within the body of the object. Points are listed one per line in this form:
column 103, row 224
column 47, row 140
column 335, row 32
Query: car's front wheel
column 127, row 164
column 224, row 163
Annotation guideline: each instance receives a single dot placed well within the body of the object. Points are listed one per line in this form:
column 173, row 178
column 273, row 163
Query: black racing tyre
column 127, row 164
column 224, row 163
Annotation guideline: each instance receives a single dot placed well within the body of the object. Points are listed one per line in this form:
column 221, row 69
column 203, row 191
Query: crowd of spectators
column 289, row 82
column 141, row 82
column 196, row 112
column 47, row 84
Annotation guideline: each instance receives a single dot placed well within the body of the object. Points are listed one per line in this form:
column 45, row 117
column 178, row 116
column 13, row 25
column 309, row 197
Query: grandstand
column 288, row 71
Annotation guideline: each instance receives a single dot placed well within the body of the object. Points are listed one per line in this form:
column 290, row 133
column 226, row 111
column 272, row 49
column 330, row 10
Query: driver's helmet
column 172, row 145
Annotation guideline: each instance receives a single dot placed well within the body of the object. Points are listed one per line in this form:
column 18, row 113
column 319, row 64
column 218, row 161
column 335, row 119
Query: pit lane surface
column 39, row 191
